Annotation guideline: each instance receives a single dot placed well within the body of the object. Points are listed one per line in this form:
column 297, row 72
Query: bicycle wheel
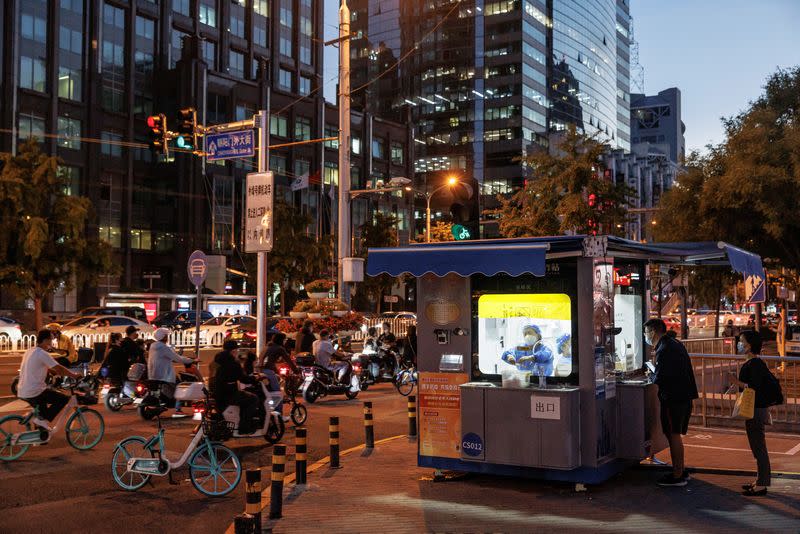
column 10, row 425
column 299, row 414
column 215, row 470
column 126, row 449
column 85, row 429
column 404, row 383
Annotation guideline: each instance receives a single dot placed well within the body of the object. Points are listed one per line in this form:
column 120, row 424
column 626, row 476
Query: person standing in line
column 756, row 375
column 677, row 389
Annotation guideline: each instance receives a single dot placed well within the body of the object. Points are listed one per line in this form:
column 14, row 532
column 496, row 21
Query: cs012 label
column 472, row 444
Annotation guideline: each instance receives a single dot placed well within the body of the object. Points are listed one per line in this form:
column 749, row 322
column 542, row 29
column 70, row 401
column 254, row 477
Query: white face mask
column 740, row 348
column 648, row 338
column 530, row 340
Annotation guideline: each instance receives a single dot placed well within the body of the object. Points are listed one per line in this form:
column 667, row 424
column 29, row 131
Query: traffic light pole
column 344, row 151
column 261, row 291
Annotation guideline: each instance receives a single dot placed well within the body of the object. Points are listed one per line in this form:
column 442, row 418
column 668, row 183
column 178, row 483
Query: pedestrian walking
column 756, row 375
column 676, row 391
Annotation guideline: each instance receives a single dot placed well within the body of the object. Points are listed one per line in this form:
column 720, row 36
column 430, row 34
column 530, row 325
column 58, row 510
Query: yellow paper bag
column 745, row 404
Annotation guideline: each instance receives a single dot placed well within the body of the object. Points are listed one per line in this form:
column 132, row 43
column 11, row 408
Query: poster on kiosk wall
column 440, row 414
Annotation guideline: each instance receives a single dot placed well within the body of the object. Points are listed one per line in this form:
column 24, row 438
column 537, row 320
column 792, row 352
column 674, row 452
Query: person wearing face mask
column 532, row 355
column 756, row 375
column 677, row 389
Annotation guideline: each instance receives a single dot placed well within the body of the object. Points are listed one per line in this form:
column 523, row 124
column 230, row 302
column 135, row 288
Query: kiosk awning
column 465, row 259
column 712, row 253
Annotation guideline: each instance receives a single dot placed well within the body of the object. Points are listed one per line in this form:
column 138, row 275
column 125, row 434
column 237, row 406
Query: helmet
column 53, row 327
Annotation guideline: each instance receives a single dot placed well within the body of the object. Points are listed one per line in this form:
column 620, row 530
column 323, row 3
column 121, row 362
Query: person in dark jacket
column 133, row 350
column 410, row 345
column 305, row 338
column 676, row 390
column 754, row 374
column 226, row 390
column 116, row 360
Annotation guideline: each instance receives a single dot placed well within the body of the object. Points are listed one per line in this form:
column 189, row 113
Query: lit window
column 208, row 12
column 69, row 133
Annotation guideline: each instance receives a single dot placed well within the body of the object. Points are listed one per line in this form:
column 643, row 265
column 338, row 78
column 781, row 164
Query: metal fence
column 717, row 395
column 713, row 345
column 398, row 326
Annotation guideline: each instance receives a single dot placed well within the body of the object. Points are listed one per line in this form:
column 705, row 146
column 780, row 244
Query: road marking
column 788, row 453
column 794, row 450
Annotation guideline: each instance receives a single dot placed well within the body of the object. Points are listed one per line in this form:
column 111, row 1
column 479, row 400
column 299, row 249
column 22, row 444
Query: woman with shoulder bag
column 756, row 375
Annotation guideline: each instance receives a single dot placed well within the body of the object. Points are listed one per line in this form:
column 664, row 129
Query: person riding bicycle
column 62, row 345
column 324, row 352
column 225, row 388
column 36, row 364
column 159, row 366
column 133, row 349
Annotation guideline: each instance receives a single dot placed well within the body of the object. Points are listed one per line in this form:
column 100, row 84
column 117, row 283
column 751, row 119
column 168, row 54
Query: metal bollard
column 245, row 524
column 369, row 429
column 276, row 489
column 333, row 430
column 412, row 416
column 301, row 448
column 252, row 496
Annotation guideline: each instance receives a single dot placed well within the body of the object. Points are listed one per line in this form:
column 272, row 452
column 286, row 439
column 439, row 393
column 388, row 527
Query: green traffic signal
column 181, row 142
column 461, row 232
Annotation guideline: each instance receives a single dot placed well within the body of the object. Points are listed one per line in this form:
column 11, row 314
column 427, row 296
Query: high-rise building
column 83, row 75
column 656, row 124
column 485, row 81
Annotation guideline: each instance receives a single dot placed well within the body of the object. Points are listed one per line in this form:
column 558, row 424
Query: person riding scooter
column 225, row 388
column 326, row 356
column 159, row 366
column 62, row 345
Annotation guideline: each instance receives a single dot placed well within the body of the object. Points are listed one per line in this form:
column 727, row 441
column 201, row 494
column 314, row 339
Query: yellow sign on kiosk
column 440, row 414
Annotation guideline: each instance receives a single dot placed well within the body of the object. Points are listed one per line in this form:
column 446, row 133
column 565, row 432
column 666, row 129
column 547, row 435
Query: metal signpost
column 197, row 269
column 238, row 144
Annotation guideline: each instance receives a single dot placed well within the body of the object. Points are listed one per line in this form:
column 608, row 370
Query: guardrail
column 712, row 345
column 717, row 397
column 399, row 327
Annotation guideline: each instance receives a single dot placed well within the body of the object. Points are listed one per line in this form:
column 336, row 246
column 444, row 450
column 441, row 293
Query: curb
column 719, row 471
column 265, row 492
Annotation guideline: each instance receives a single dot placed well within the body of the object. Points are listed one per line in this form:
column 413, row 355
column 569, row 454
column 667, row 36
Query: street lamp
column 450, row 183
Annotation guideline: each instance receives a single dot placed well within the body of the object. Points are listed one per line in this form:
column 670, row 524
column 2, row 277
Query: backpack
column 772, row 388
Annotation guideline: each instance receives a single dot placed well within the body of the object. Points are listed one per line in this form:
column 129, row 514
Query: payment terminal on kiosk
column 531, row 355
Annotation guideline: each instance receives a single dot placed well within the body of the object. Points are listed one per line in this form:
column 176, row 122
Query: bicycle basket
column 217, row 430
column 86, row 399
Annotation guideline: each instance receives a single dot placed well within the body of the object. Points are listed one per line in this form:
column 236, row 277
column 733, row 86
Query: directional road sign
column 230, row 145
column 197, row 268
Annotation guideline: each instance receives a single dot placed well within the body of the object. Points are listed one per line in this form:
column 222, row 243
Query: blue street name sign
column 230, row 145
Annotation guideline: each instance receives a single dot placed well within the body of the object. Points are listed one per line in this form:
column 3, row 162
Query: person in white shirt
column 160, row 362
column 323, row 352
column 36, row 364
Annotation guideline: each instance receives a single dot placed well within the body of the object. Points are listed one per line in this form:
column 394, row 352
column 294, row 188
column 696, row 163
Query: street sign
column 258, row 230
column 197, row 268
column 461, row 232
column 229, row 145
column 391, row 299
column 755, row 290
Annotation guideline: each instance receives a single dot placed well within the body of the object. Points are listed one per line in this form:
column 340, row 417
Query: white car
column 10, row 332
column 213, row 331
column 104, row 324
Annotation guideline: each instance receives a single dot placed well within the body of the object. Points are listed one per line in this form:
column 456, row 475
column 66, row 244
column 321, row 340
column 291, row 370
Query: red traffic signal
column 160, row 133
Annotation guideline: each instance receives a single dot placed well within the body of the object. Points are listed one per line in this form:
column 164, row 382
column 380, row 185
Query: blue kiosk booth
column 531, row 354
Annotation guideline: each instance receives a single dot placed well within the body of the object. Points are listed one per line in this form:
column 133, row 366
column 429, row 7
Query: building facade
column 82, row 76
column 486, row 81
column 656, row 124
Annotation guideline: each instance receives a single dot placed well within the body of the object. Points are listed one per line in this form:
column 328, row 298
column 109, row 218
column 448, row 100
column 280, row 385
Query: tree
column 379, row 232
column 299, row 257
column 565, row 195
column 44, row 245
column 440, row 231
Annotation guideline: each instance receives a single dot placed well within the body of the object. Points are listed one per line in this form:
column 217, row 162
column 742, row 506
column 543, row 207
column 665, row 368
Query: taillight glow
column 251, row 334
column 284, row 370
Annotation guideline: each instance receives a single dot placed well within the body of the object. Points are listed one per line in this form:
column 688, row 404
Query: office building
column 656, row 124
column 485, row 82
column 83, row 75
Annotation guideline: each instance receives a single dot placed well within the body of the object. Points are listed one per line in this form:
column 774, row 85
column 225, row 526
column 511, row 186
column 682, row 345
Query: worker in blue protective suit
column 564, row 358
column 532, row 355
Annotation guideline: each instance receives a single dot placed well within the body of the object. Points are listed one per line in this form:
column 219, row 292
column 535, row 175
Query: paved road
column 55, row 488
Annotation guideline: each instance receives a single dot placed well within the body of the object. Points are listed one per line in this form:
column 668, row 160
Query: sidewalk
column 385, row 492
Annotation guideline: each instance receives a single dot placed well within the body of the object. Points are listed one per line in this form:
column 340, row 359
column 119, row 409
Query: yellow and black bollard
column 276, row 489
column 252, row 496
column 369, row 429
column 333, row 429
column 300, row 458
column 412, row 416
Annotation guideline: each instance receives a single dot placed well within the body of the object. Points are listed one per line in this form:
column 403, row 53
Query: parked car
column 398, row 315
column 181, row 319
column 104, row 324
column 244, row 333
column 137, row 312
column 213, row 331
column 10, row 331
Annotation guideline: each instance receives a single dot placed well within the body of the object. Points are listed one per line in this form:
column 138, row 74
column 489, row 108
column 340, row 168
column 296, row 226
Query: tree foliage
column 44, row 244
column 557, row 198
column 379, row 232
column 299, row 256
column 440, row 231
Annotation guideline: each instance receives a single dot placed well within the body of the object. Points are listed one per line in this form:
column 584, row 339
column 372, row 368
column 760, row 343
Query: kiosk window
column 527, row 332
column 629, row 317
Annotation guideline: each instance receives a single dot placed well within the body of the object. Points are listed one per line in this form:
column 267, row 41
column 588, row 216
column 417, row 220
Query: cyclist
column 36, row 364
column 159, row 366
column 62, row 345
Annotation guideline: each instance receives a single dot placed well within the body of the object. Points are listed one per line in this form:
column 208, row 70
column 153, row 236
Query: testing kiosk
column 531, row 353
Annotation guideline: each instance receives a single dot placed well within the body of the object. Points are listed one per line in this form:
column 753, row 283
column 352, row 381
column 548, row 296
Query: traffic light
column 465, row 211
column 159, row 133
column 187, row 129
